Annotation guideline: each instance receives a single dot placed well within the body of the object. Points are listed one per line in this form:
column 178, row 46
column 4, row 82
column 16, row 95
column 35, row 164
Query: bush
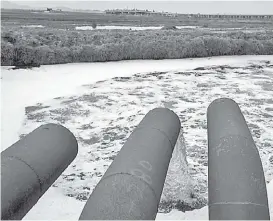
column 216, row 46
column 195, row 48
column 25, row 48
column 24, row 56
column 169, row 27
column 88, row 53
column 9, row 37
column 94, row 25
column 7, row 54
column 45, row 55
column 239, row 47
column 268, row 47
column 153, row 49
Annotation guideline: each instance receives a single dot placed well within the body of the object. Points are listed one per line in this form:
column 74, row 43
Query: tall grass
column 50, row 46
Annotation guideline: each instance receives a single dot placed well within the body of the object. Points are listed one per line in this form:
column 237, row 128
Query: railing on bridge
column 211, row 16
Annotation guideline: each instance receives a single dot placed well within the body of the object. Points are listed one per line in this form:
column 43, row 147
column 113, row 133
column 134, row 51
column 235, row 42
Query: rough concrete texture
column 237, row 189
column 131, row 187
column 31, row 165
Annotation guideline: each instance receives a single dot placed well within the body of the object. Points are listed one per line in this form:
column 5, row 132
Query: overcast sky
column 214, row 7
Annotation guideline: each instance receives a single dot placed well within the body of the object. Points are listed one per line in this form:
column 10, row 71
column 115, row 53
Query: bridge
column 207, row 16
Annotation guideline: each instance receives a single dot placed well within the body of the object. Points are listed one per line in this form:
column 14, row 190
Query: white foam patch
column 33, row 26
column 133, row 28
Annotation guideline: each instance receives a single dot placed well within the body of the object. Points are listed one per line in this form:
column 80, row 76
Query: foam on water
column 134, row 28
column 33, row 26
column 103, row 114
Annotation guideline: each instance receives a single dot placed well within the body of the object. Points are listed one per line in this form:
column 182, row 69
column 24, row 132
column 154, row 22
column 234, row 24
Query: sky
column 206, row 7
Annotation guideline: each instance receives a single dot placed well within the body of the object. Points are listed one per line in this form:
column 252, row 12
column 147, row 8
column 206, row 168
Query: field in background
column 30, row 38
column 69, row 20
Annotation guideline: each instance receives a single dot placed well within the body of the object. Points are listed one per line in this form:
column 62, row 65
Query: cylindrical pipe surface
column 31, row 165
column 132, row 186
column 237, row 189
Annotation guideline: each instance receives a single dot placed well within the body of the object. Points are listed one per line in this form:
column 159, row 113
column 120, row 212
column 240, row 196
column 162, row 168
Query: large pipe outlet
column 31, row 165
column 237, row 189
column 132, row 186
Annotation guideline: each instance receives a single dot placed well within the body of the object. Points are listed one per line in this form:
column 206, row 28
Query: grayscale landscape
column 98, row 72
